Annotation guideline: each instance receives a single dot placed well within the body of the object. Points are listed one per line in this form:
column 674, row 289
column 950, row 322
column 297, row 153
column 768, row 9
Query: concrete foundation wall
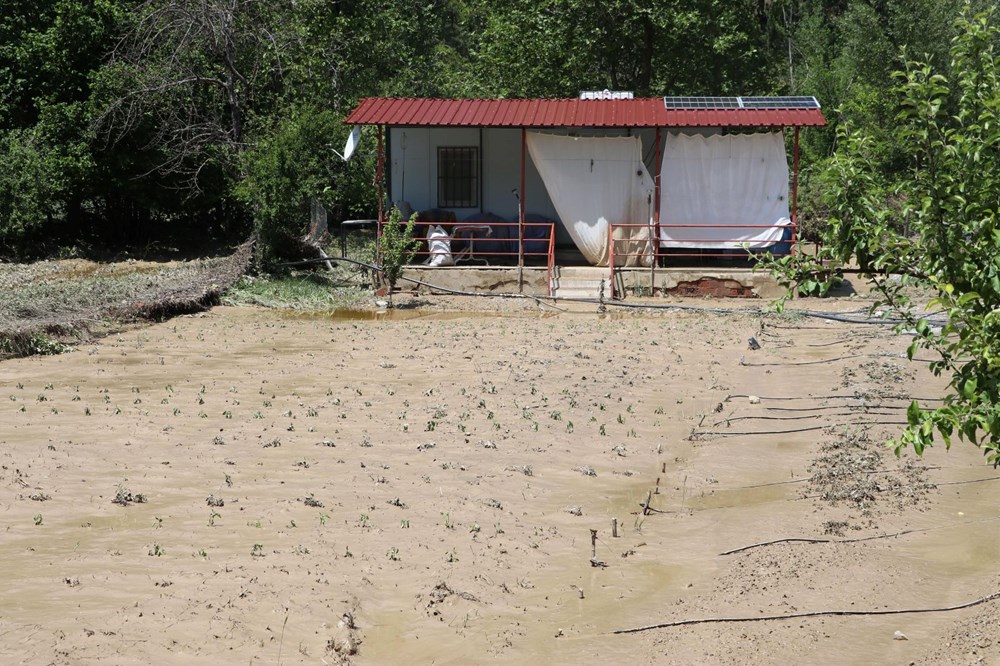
column 731, row 283
column 478, row 279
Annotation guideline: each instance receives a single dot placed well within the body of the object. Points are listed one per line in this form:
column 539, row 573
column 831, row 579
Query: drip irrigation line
column 827, row 613
column 794, row 430
column 831, row 360
column 817, row 408
column 962, row 483
column 858, row 539
column 817, row 362
column 835, row 342
column 829, row 397
column 794, row 418
column 848, row 318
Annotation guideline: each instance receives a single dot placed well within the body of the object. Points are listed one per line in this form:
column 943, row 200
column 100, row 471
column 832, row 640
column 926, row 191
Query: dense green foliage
column 124, row 122
column 933, row 225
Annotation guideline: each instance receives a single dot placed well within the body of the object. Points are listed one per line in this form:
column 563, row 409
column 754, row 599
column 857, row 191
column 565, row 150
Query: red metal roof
column 640, row 112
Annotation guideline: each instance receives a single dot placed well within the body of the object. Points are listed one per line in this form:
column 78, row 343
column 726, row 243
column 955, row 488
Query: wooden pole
column 614, row 527
column 593, row 545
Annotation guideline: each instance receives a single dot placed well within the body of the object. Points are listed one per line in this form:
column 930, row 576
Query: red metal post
column 520, row 213
column 655, row 243
column 795, row 190
column 656, row 182
column 381, row 195
column 611, row 261
column 552, row 253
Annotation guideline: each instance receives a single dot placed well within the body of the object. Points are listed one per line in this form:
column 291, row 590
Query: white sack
column 719, row 180
column 439, row 246
column 592, row 182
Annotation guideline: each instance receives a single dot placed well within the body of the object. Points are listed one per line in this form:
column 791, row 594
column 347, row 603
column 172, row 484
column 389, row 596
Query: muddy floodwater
column 247, row 486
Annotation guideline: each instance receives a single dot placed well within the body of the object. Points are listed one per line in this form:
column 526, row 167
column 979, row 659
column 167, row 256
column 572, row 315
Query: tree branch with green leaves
column 935, row 230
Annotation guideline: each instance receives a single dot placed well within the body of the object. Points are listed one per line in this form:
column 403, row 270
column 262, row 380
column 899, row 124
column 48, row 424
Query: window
column 458, row 177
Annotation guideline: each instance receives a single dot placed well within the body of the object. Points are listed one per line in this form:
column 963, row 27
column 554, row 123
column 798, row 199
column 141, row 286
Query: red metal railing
column 658, row 249
column 466, row 245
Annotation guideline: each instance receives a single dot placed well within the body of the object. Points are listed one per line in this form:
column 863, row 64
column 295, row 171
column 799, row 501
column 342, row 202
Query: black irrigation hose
column 831, row 360
column 830, row 397
column 795, row 418
column 857, row 540
column 865, row 408
column 794, row 430
column 829, row 316
column 792, row 616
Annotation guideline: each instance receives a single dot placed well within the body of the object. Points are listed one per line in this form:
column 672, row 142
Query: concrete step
column 583, row 272
column 575, row 293
column 576, row 283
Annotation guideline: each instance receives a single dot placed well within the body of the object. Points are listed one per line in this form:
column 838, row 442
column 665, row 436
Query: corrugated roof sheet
column 640, row 112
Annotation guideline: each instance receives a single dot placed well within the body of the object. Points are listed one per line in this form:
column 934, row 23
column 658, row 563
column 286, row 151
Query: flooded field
column 245, row 486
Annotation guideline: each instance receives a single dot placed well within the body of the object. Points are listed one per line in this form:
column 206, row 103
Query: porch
column 737, row 280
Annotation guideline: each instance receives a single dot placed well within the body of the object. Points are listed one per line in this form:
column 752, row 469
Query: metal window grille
column 458, row 177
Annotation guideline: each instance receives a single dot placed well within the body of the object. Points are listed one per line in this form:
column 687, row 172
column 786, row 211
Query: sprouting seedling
column 37, row 518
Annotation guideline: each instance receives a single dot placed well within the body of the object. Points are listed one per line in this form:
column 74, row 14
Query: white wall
column 413, row 167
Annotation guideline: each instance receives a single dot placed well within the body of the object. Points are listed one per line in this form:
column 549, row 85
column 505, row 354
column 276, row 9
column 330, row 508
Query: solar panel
column 780, row 103
column 701, row 102
column 717, row 103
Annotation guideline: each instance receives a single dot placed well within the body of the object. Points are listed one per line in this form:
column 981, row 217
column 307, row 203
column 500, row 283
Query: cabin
column 606, row 181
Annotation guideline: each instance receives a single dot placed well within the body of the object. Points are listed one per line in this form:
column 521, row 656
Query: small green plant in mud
column 257, row 550
column 157, row 550
column 393, row 554
column 37, row 518
column 398, row 246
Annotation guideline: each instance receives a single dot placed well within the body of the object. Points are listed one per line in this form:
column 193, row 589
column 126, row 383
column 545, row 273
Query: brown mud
column 421, row 487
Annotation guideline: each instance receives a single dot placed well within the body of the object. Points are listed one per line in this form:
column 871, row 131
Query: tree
column 188, row 76
column 48, row 51
column 936, row 228
column 560, row 47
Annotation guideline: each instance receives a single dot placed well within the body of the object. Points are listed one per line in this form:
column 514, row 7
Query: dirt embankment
column 77, row 297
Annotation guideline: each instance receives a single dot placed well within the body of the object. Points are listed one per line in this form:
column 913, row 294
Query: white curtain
column 738, row 179
column 593, row 182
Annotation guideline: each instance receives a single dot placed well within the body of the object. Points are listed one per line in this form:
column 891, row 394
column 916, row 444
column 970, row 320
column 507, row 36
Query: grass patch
column 297, row 291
